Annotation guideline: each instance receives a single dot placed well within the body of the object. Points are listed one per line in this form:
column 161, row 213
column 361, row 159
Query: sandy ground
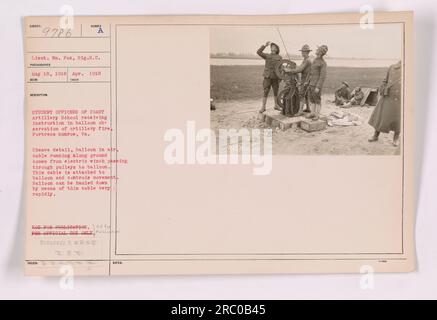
column 333, row 141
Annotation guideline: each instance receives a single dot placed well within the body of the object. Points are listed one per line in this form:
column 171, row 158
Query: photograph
column 329, row 89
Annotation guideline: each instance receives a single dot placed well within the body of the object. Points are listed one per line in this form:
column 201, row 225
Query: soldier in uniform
column 357, row 97
column 304, row 71
column 316, row 79
column 271, row 80
column 386, row 116
column 342, row 94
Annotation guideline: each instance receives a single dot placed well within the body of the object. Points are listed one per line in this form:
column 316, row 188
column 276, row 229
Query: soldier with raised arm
column 271, row 80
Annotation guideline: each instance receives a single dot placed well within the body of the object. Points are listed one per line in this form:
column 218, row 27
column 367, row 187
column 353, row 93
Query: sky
column 347, row 41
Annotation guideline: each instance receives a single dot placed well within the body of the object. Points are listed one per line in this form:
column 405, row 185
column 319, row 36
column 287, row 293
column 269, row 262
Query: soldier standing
column 271, row 80
column 386, row 116
column 304, row 71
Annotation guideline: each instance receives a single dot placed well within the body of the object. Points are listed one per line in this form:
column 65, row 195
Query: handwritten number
column 46, row 31
column 57, row 32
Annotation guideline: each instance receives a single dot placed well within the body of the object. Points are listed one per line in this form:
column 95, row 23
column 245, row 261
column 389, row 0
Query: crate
column 276, row 120
column 311, row 125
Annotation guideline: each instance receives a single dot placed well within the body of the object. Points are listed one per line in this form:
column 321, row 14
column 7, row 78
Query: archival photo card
column 219, row 144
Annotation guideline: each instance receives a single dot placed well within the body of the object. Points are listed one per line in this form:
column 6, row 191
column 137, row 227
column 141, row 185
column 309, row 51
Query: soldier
column 304, row 71
column 357, row 97
column 316, row 79
column 271, row 80
column 342, row 94
column 386, row 116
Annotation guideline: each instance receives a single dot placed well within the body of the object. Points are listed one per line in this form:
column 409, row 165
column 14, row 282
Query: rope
column 283, row 43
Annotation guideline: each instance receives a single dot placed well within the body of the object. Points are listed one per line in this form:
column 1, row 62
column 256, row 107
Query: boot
column 317, row 108
column 311, row 109
column 263, row 108
column 374, row 137
column 396, row 139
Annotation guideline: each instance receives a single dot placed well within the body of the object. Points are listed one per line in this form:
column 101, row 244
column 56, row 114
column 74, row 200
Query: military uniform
column 342, row 95
column 304, row 69
column 317, row 78
column 358, row 96
column 387, row 114
column 271, row 80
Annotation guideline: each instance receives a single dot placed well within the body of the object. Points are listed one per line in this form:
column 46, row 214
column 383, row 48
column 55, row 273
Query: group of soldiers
column 305, row 82
column 309, row 77
column 344, row 97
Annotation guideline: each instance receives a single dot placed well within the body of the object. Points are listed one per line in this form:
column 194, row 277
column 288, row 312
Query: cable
column 283, row 43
